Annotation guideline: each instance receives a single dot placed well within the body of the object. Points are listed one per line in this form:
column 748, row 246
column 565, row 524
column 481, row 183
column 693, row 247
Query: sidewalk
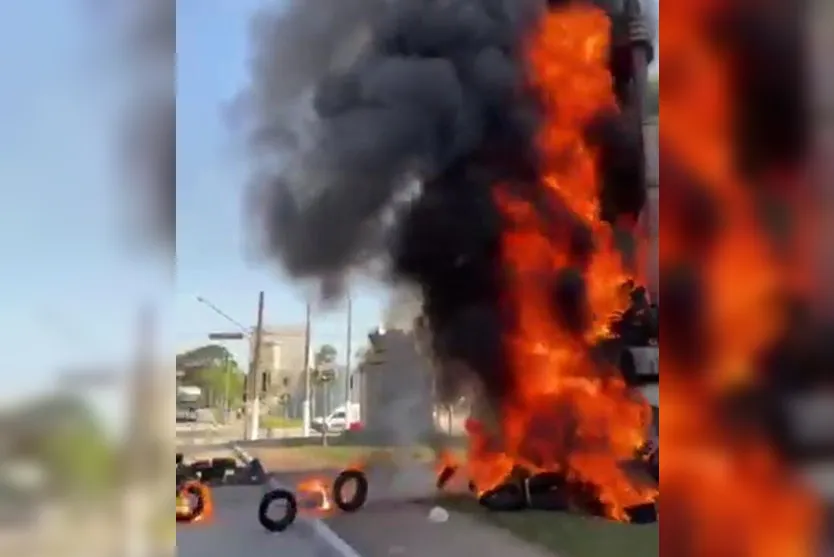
column 403, row 529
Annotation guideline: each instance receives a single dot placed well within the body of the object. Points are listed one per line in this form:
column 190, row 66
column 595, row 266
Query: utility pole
column 254, row 406
column 348, row 354
column 307, row 379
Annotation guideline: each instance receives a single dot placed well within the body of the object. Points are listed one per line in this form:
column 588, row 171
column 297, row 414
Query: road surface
column 393, row 526
column 234, row 530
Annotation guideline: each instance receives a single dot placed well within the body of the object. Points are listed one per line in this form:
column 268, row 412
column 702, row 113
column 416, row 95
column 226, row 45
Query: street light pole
column 305, row 411
column 224, row 315
column 348, row 353
column 254, row 375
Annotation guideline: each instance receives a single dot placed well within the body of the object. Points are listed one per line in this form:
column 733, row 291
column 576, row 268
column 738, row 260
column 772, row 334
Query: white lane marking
column 320, row 528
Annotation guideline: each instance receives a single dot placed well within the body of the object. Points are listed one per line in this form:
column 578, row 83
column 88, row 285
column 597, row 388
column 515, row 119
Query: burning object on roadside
column 194, row 502
column 522, row 125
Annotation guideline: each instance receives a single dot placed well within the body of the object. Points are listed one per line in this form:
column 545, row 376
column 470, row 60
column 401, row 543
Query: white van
column 188, row 398
column 339, row 420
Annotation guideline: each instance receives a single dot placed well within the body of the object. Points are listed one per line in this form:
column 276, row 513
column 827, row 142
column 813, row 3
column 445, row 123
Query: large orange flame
column 729, row 493
column 567, row 414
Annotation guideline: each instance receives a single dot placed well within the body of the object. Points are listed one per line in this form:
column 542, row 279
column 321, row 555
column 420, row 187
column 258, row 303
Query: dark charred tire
column 507, row 497
column 654, row 465
column 224, row 463
column 199, row 506
column 289, row 514
column 359, row 497
column 201, row 465
column 445, row 475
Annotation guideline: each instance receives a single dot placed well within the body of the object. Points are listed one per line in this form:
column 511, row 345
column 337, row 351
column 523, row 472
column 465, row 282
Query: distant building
column 396, row 394
column 403, row 308
column 282, row 361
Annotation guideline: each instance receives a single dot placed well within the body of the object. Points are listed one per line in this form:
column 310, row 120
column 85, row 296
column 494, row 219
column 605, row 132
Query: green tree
column 202, row 357
column 63, row 435
column 326, row 355
column 324, row 363
column 217, row 381
column 208, row 368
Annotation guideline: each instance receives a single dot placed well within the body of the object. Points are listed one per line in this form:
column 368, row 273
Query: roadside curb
column 319, row 527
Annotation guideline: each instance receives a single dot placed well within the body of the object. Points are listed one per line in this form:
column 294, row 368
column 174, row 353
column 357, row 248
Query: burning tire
column 507, row 497
column 654, row 465
column 196, row 492
column 446, row 474
column 360, row 495
column 290, row 511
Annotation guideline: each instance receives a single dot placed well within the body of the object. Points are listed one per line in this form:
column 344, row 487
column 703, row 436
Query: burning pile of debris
column 522, row 123
column 550, row 491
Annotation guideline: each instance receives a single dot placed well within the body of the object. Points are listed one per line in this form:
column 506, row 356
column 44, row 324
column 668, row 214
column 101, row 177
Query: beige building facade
column 282, row 358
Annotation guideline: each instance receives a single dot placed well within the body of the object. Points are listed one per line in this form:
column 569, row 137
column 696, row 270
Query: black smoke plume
column 356, row 104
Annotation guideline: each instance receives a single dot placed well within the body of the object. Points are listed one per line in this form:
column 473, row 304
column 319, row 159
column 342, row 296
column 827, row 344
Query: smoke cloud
column 353, row 101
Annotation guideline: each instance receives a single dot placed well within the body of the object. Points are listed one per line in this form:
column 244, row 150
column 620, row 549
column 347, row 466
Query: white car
column 337, row 421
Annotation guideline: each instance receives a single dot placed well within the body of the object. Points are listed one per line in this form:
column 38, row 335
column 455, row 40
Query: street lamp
column 245, row 330
column 248, row 333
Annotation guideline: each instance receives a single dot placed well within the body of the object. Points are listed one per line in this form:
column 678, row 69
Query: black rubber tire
column 200, row 465
column 198, row 508
column 224, row 463
column 289, row 516
column 508, row 497
column 445, row 476
column 359, row 497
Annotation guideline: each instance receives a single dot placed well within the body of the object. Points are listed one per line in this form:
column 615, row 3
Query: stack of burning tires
column 193, row 493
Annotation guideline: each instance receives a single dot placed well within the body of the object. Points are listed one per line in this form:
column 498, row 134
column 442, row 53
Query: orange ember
column 318, row 488
column 567, row 414
column 730, row 492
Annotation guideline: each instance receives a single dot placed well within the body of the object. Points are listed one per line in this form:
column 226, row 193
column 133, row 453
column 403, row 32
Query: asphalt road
column 392, row 525
column 234, row 530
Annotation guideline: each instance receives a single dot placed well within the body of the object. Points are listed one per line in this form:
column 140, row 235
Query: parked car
column 339, row 420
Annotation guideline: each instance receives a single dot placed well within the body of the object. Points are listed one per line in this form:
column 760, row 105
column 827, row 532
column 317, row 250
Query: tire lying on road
column 200, row 495
column 224, row 463
column 290, row 512
column 221, row 467
column 359, row 496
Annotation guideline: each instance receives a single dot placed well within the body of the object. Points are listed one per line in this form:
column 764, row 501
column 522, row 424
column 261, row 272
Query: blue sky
column 72, row 288
column 214, row 258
